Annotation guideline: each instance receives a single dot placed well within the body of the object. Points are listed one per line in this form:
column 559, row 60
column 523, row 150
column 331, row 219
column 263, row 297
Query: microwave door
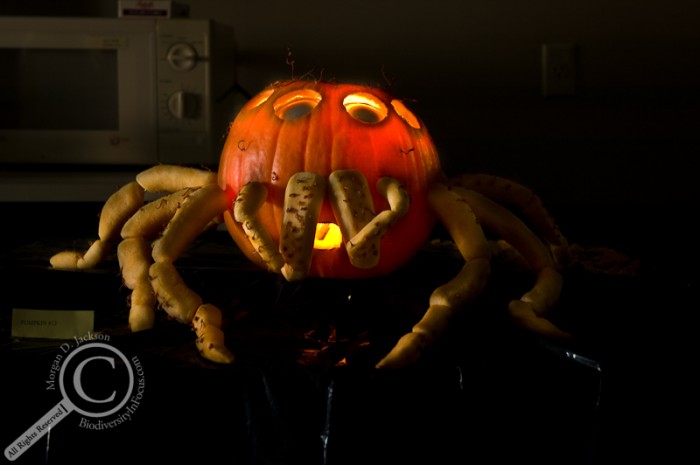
column 80, row 96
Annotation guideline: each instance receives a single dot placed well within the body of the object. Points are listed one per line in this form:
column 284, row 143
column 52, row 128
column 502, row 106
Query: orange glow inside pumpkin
column 365, row 107
column 296, row 104
column 328, row 236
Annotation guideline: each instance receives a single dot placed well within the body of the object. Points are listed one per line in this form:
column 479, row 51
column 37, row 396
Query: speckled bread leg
column 531, row 309
column 207, row 324
column 364, row 247
column 245, row 209
column 134, row 258
column 142, row 303
column 351, row 200
column 506, row 191
column 506, row 225
column 115, row 212
column 118, row 209
column 134, row 255
column 529, row 312
column 195, row 204
column 178, row 300
column 463, row 226
column 172, row 178
column 151, row 219
column 302, row 203
column 201, row 206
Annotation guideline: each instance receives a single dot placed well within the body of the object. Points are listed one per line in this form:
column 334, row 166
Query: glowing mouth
column 328, row 236
column 300, row 232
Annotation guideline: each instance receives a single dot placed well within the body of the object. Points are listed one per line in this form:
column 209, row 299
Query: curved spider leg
column 172, row 178
column 116, row 211
column 125, row 214
column 150, row 220
column 530, row 310
column 524, row 199
column 179, row 301
column 147, row 224
column 134, row 254
column 462, row 224
column 134, row 257
column 245, row 209
column 123, row 203
column 504, row 190
column 303, row 198
column 353, row 207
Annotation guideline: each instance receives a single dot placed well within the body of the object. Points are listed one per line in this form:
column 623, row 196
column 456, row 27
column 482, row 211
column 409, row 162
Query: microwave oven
column 113, row 92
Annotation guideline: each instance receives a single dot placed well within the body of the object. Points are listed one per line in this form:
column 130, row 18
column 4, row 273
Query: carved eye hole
column 258, row 100
column 365, row 107
column 406, row 114
column 296, row 104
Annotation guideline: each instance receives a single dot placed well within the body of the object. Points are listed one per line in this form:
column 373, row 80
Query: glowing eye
column 365, row 107
column 296, row 104
column 406, row 114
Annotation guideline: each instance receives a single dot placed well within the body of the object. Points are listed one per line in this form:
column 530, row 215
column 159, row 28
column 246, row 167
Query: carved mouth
column 356, row 225
column 328, row 236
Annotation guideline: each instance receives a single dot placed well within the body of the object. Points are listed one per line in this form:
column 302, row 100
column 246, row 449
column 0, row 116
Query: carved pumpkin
column 321, row 127
column 299, row 157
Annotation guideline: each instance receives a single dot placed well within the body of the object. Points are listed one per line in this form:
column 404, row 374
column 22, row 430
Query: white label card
column 51, row 324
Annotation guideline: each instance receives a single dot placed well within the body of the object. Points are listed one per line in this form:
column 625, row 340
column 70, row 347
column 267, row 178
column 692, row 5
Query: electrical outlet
column 558, row 69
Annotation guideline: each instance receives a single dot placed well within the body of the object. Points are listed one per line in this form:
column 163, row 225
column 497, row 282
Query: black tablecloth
column 304, row 390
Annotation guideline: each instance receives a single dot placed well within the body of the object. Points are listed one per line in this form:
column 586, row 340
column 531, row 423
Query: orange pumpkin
column 321, row 127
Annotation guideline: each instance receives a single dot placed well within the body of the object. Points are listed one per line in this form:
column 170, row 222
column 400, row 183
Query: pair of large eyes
column 362, row 106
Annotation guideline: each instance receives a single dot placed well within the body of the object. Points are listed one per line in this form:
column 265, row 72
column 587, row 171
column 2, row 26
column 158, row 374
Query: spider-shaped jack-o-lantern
column 300, row 158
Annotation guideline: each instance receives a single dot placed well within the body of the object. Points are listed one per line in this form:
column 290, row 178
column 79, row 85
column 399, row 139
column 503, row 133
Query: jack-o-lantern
column 328, row 180
column 321, row 128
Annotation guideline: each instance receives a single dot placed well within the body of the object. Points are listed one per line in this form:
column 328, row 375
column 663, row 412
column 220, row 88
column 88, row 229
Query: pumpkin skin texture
column 296, row 126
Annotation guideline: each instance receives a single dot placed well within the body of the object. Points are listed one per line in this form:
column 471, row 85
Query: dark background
column 473, row 72
column 615, row 163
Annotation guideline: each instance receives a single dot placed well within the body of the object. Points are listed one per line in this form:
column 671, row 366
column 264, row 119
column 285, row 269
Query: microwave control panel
column 108, row 91
column 186, row 86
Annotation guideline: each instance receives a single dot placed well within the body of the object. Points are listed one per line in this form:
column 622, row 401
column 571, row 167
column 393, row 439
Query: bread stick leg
column 245, row 209
column 134, row 257
column 531, row 309
column 462, row 224
column 116, row 211
column 353, row 207
column 176, row 298
column 303, row 198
